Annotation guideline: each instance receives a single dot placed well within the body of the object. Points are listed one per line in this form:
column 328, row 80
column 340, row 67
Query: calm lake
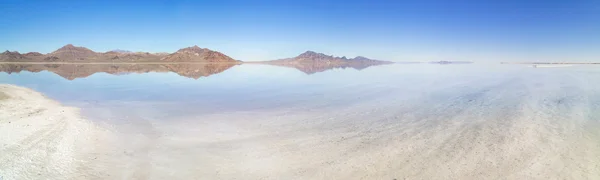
column 252, row 121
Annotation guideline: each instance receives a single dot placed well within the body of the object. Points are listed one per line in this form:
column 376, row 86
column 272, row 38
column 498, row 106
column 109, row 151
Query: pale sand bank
column 41, row 139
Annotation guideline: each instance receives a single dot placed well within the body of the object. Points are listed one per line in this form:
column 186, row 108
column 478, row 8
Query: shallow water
column 421, row 121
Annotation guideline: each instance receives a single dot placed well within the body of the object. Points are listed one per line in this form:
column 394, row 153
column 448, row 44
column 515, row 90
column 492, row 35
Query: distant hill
column 115, row 56
column 70, row 52
column 451, row 62
column 33, row 54
column 314, row 57
column 197, row 54
column 14, row 55
column 311, row 62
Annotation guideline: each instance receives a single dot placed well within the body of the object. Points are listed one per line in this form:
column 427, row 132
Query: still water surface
column 395, row 121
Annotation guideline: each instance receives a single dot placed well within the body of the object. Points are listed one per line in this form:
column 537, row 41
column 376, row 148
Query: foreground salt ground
column 41, row 139
column 37, row 136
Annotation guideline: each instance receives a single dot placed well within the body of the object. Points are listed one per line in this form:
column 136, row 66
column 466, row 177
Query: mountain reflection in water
column 74, row 71
column 194, row 71
column 311, row 68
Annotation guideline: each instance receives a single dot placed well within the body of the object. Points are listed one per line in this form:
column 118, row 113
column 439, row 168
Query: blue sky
column 423, row 30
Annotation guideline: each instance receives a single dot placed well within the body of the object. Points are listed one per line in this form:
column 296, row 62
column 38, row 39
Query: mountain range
column 73, row 54
column 308, row 62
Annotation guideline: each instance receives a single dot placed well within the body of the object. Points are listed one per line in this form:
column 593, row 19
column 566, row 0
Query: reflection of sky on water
column 415, row 90
column 248, row 87
column 494, row 116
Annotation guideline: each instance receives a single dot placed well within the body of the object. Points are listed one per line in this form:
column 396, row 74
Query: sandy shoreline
column 41, row 139
column 38, row 136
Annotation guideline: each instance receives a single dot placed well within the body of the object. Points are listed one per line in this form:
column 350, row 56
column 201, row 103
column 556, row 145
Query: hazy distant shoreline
column 552, row 66
column 542, row 63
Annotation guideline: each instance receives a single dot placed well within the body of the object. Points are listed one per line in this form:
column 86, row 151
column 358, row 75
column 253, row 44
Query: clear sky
column 419, row 30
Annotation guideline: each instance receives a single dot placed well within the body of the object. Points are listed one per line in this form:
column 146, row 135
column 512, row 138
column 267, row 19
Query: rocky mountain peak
column 33, row 54
column 193, row 49
column 11, row 55
column 313, row 55
column 361, row 58
column 7, row 52
column 70, row 52
column 197, row 54
column 71, row 48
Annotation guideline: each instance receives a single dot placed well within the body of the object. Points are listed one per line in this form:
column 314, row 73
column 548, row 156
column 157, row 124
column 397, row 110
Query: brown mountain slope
column 131, row 57
column 197, row 54
column 310, row 57
column 33, row 54
column 72, row 53
column 12, row 56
